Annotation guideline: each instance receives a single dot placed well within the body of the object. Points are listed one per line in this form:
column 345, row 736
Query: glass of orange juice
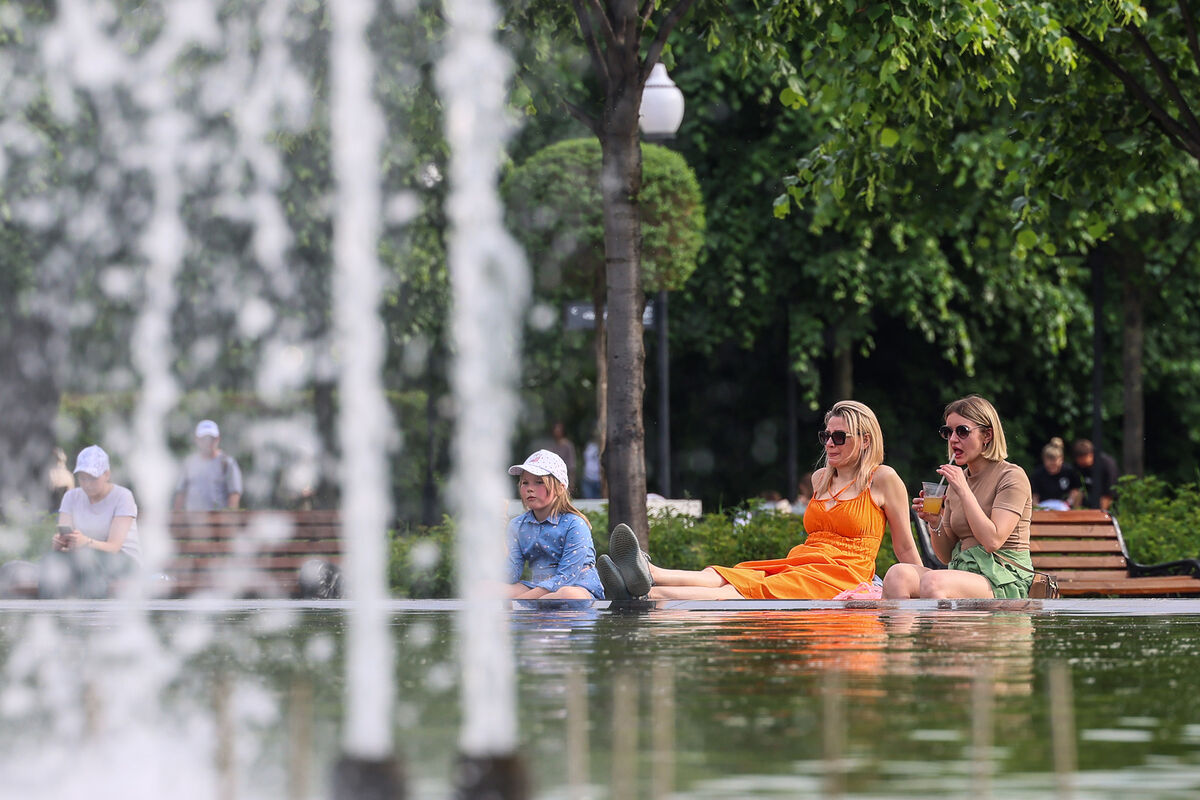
column 935, row 493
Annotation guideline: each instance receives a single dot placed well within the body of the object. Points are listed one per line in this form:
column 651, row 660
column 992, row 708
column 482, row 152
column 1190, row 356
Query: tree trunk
column 601, row 351
column 429, row 494
column 613, row 32
column 843, row 373
column 325, row 410
column 1133, row 345
column 30, row 348
column 621, row 177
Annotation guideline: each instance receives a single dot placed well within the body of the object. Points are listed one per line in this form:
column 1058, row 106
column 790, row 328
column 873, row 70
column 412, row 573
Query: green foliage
column 28, row 542
column 723, row 538
column 1160, row 521
column 421, row 561
column 556, row 211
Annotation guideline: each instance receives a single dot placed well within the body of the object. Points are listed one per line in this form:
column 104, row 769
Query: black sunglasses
column 962, row 430
column 839, row 437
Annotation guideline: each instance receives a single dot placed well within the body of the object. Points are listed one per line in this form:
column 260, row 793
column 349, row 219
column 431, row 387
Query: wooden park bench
column 248, row 553
column 1085, row 551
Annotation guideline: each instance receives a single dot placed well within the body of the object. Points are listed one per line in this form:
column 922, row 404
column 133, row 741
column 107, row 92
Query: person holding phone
column 97, row 540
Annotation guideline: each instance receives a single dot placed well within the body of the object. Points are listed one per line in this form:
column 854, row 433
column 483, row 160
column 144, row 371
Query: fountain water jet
column 368, row 769
column 490, row 288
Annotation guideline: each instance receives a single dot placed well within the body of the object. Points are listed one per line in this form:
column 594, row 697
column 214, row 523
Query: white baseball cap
column 92, row 460
column 542, row 462
column 208, row 428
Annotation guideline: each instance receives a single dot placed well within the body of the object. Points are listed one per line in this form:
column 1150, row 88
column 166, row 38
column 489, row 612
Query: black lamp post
column 660, row 115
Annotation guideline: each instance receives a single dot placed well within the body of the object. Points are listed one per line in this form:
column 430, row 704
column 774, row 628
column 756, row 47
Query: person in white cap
column 97, row 531
column 553, row 537
column 211, row 479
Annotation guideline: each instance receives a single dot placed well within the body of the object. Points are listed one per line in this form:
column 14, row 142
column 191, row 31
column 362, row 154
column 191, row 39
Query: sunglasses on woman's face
column 839, row 437
column 961, row 430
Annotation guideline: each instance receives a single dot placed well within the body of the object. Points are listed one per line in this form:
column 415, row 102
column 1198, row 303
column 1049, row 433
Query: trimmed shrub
column 421, row 561
column 1160, row 522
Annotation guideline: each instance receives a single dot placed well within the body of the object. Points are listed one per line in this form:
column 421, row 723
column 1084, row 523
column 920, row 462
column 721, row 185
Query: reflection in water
column 662, row 712
column 854, row 703
column 849, row 698
column 577, row 734
column 1062, row 726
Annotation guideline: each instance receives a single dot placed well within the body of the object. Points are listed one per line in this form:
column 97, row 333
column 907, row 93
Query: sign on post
column 582, row 316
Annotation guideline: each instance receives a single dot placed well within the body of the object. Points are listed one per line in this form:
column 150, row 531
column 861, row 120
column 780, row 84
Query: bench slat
column 1087, row 562
column 1063, row 573
column 1104, row 546
column 1131, row 586
column 260, row 535
column 181, row 519
column 232, row 563
column 1038, row 530
column 228, row 548
column 1084, row 515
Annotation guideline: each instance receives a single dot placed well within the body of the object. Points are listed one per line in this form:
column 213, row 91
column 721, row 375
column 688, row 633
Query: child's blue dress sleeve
column 577, row 559
column 516, row 561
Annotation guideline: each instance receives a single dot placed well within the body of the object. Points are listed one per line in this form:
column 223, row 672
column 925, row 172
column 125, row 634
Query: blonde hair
column 860, row 422
column 983, row 414
column 1053, row 448
column 562, row 499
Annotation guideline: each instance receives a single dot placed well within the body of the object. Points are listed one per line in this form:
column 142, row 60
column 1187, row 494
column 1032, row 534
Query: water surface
column 1088, row 699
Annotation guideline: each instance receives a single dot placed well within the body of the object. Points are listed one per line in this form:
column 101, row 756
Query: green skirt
column 1007, row 582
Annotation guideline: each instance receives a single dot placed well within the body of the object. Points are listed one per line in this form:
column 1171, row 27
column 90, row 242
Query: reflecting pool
column 1087, row 699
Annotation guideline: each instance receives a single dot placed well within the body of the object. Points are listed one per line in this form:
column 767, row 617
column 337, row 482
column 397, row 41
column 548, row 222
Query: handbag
column 1044, row 586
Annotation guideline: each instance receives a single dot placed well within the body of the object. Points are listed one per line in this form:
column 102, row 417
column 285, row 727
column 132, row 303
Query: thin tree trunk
column 625, row 452
column 843, row 374
column 1133, row 347
column 613, row 32
column 601, row 351
column 429, row 492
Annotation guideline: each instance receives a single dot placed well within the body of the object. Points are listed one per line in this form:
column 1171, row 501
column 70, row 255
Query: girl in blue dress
column 552, row 536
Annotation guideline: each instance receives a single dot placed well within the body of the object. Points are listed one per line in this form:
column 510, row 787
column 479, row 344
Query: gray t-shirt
column 208, row 482
column 94, row 519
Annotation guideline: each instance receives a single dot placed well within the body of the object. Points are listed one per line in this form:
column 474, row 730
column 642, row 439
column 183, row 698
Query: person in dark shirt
column 1099, row 474
column 1055, row 483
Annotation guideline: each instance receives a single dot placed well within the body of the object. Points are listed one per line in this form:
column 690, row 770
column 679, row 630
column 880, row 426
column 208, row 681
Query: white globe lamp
column 661, row 111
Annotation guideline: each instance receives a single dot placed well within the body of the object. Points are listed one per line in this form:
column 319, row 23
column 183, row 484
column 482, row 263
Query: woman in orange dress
column 854, row 494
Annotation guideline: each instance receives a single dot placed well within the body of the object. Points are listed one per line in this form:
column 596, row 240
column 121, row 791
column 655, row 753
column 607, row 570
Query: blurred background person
column 592, row 487
column 59, row 479
column 1055, row 483
column 211, row 479
column 564, row 448
column 804, row 491
column 1098, row 474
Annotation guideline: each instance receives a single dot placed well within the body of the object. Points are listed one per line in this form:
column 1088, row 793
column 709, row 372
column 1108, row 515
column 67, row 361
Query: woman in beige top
column 983, row 527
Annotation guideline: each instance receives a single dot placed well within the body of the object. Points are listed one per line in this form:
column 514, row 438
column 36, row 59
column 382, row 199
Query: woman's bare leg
column 707, row 577
column 686, row 584
column 903, row 582
column 944, row 583
column 726, row 592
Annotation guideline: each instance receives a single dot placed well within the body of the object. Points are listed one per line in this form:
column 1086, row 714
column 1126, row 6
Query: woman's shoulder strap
column 871, row 474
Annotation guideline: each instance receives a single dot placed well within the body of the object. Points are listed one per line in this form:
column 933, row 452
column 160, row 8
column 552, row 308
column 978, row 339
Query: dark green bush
column 680, row 542
column 421, row 561
column 1160, row 522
